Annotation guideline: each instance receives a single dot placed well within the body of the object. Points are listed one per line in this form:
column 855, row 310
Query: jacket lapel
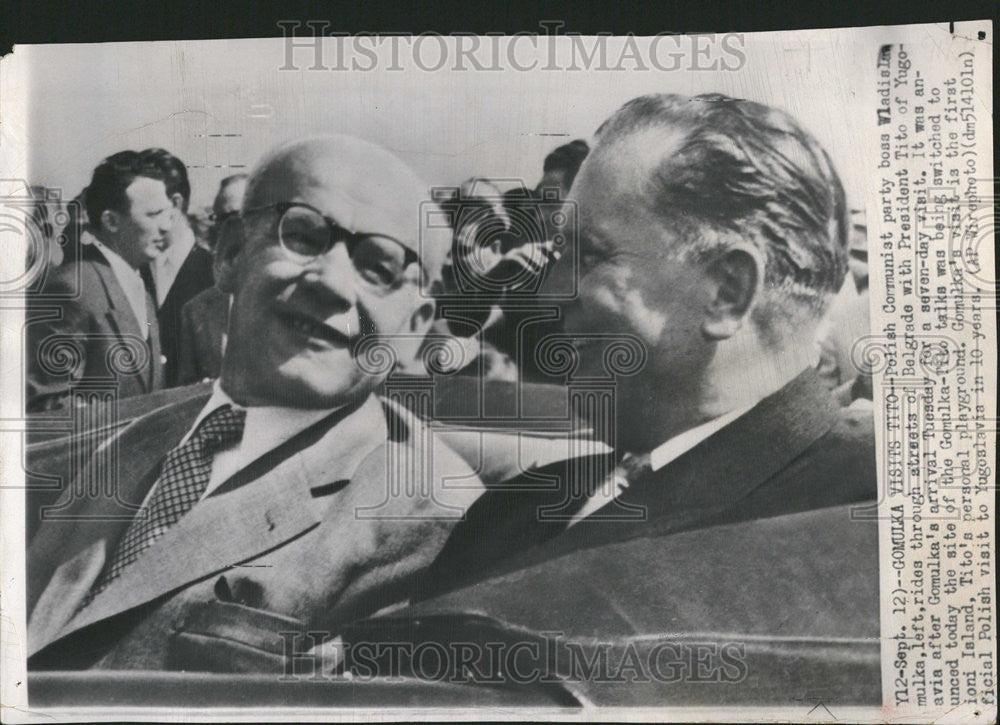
column 725, row 468
column 120, row 313
column 154, row 379
column 67, row 554
column 240, row 522
column 122, row 320
column 712, row 477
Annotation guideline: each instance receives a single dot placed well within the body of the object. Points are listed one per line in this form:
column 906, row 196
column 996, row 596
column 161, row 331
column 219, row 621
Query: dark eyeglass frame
column 224, row 216
column 336, row 234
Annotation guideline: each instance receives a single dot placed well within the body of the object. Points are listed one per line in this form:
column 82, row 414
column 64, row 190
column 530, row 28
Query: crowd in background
column 131, row 274
column 147, row 240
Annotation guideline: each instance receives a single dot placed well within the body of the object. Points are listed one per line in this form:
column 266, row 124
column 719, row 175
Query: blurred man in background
column 203, row 318
column 183, row 269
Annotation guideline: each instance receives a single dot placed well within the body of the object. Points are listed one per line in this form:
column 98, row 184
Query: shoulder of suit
column 185, row 400
column 848, row 448
column 642, row 576
column 207, row 299
column 70, row 281
column 498, row 452
column 142, row 411
column 200, row 257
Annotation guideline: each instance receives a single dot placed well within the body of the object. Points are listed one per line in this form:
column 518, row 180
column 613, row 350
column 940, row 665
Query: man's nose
column 332, row 278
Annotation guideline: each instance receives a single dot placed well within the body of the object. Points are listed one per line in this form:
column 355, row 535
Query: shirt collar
column 680, row 444
column 116, row 260
column 266, row 427
column 130, row 281
column 181, row 242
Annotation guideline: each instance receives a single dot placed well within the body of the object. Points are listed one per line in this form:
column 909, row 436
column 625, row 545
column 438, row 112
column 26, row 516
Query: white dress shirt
column 166, row 266
column 129, row 279
column 659, row 457
column 266, row 428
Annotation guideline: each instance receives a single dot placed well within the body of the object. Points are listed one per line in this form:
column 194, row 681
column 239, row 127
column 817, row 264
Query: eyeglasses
column 305, row 235
column 222, row 217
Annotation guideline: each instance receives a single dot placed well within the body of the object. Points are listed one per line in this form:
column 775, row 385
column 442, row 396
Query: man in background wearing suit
column 267, row 498
column 184, row 268
column 107, row 325
column 203, row 317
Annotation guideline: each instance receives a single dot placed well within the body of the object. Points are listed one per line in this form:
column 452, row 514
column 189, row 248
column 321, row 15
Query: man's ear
column 111, row 220
column 228, row 245
column 177, row 200
column 736, row 278
column 409, row 346
column 423, row 317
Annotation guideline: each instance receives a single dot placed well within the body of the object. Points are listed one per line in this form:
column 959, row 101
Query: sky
column 218, row 105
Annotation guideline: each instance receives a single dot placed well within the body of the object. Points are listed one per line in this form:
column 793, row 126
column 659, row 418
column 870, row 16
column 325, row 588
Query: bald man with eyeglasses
column 278, row 498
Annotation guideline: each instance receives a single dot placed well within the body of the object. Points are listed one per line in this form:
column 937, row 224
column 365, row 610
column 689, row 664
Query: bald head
column 365, row 189
column 327, row 251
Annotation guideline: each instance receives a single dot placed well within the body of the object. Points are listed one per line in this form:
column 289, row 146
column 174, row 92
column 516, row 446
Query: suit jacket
column 89, row 317
column 199, row 345
column 194, row 276
column 327, row 528
column 761, row 542
column 796, row 450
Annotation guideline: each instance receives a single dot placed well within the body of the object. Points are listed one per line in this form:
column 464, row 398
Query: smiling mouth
column 312, row 328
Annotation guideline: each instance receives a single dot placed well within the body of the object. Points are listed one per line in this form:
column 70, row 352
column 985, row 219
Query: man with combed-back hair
column 741, row 170
column 713, row 234
column 712, row 237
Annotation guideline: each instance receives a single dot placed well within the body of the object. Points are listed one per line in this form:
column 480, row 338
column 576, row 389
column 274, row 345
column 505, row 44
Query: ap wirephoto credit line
column 530, row 376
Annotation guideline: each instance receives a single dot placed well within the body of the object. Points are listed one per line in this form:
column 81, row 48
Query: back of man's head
column 567, row 158
column 229, row 198
column 111, row 179
column 230, row 181
column 561, row 166
column 726, row 170
column 174, row 172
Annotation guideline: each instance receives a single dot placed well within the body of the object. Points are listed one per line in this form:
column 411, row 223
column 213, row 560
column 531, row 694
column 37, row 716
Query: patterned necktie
column 633, row 467
column 182, row 482
column 602, row 503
